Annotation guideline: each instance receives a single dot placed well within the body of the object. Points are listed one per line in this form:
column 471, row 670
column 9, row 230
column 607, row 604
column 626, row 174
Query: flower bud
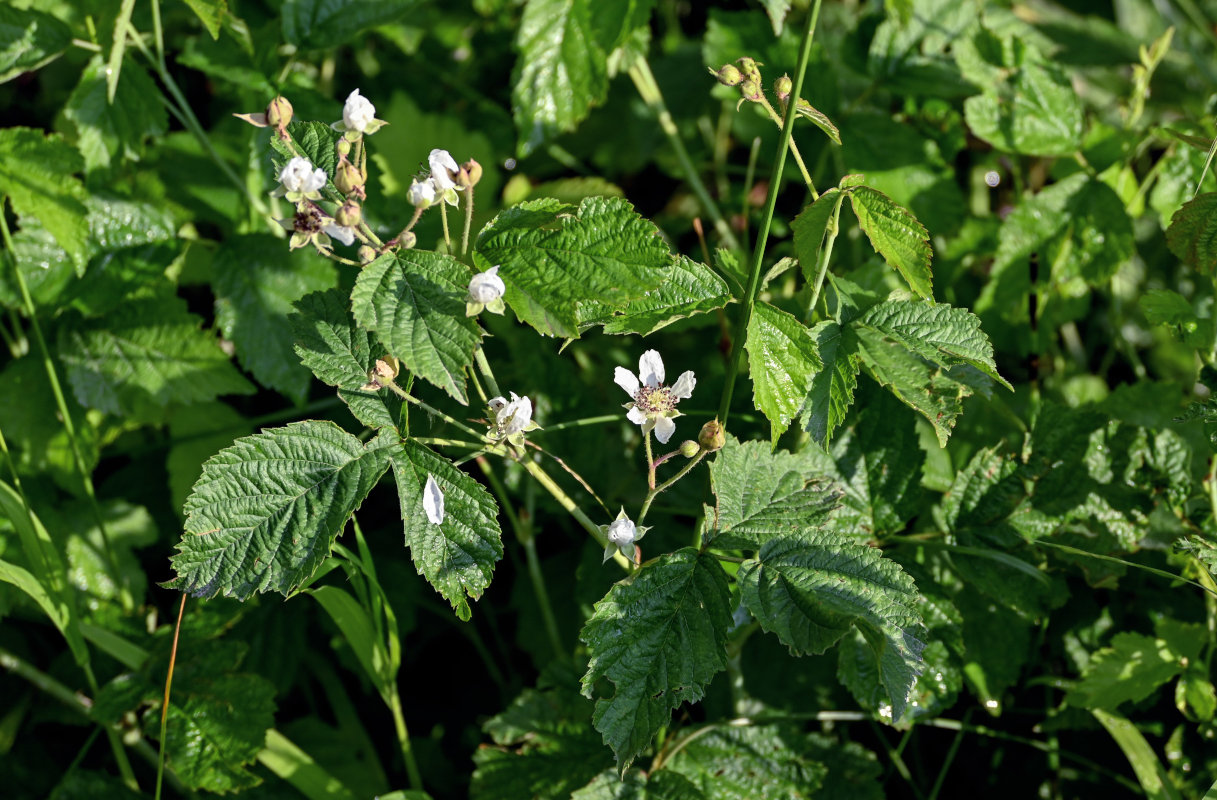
column 367, row 254
column 750, row 69
column 387, row 367
column 469, row 174
column 750, row 90
column 343, row 147
column 689, row 448
column 347, row 177
column 782, row 87
column 407, row 240
column 712, row 436
column 279, row 112
column 728, row 75
column 349, row 214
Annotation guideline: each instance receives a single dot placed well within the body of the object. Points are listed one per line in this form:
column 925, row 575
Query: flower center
column 655, row 399
column 308, row 221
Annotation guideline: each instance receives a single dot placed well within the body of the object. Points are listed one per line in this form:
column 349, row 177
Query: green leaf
column 1150, row 773
column 81, row 784
column 760, row 762
column 690, row 288
column 356, row 627
column 211, row 13
column 29, row 39
column 1171, row 310
column 761, row 494
column 810, row 588
column 341, row 353
column 1129, row 671
column 809, row 228
column 663, row 784
column 152, row 355
column 59, row 613
column 1033, row 111
column 832, row 388
column 1192, row 232
column 777, row 10
column 37, row 174
column 659, row 636
column 922, row 387
column 782, row 361
column 937, row 332
column 110, row 131
column 322, row 24
column 197, row 432
column 414, row 301
column 315, row 140
column 457, row 556
column 267, row 510
column 561, row 72
column 895, row 234
column 552, row 261
column 544, row 744
column 256, row 281
column 818, row 118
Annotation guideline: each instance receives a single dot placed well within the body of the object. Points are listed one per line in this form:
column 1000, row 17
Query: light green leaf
column 457, row 556
column 1171, row 310
column 29, row 39
column 266, row 511
column 1033, row 111
column 552, row 261
column 818, row 118
column 211, row 13
column 782, row 361
column 341, row 353
column 1129, row 671
column 561, row 72
column 356, row 627
column 37, row 174
column 1192, row 234
column 809, row 228
column 659, row 636
column 690, row 288
column 763, row 762
column 761, row 494
column 256, row 281
column 414, row 300
column 110, row 131
column 152, row 355
column 322, row 24
column 58, row 612
column 937, row 332
column 777, row 10
column 298, row 769
column 1150, row 773
column 832, row 388
column 895, row 233
column 810, row 588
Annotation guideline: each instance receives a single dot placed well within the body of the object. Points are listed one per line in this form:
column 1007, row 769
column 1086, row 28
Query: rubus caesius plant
column 777, row 480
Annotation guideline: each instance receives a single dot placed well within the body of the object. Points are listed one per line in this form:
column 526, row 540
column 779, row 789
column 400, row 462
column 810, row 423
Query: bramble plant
column 973, row 478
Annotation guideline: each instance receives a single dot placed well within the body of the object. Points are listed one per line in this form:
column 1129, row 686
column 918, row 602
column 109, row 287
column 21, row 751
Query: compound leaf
column 895, row 234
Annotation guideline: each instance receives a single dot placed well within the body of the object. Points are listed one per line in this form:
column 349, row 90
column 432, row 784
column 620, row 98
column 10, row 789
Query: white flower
column 654, row 404
column 421, row 193
column 344, row 235
column 299, row 178
column 622, row 534
column 443, row 168
column 511, row 418
column 433, row 501
column 485, row 291
column 358, row 112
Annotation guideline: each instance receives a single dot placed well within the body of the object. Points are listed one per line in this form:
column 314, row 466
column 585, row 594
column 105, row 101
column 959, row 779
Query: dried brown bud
column 712, row 436
column 387, row 368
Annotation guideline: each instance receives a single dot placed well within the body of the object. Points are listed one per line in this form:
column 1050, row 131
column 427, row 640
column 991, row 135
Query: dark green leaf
column 29, row 39
column 256, row 281
column 414, row 301
column 211, row 13
column 553, row 261
column 895, row 233
column 37, row 174
column 1128, row 671
column 267, row 510
column 783, row 359
column 832, row 388
column 561, row 71
column 690, row 288
column 764, row 762
column 322, row 24
column 809, row 228
column 110, row 131
column 810, row 588
column 659, row 636
column 1192, row 234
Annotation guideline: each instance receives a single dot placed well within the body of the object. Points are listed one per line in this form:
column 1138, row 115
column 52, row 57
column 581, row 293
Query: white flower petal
column 442, row 166
column 684, row 385
column 621, row 531
column 626, row 380
column 636, row 416
column 433, row 501
column 650, row 368
column 357, row 112
column 664, row 428
column 344, row 235
column 421, row 193
column 486, row 287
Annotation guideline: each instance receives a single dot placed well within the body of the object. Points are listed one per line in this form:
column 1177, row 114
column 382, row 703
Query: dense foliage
column 911, row 490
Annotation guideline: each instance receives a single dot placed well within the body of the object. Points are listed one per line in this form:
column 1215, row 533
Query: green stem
column 468, row 221
column 403, row 737
column 579, row 423
column 794, row 149
column 646, row 439
column 826, row 254
column 655, row 492
column 754, row 278
column 644, row 82
column 86, row 476
column 479, row 356
column 396, row 240
column 564, row 500
column 443, row 215
column 1152, row 570
column 409, row 398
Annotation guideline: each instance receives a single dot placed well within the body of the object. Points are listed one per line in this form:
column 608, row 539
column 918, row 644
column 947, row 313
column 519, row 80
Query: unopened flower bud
column 349, row 214
column 343, row 147
column 750, row 68
column 279, row 112
column 728, row 75
column 782, row 87
column 750, row 90
column 367, row 254
column 689, row 448
column 712, row 436
column 407, row 240
column 469, row 175
column 347, row 177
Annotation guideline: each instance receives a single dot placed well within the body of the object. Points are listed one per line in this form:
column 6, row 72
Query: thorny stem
column 646, row 438
column 468, row 221
column 86, row 476
column 762, row 238
column 644, row 82
column 396, row 240
column 443, row 215
column 572, row 508
column 656, row 491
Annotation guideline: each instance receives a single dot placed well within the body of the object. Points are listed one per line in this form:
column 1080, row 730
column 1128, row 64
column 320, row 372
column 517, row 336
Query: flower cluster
column 654, row 405
column 512, row 419
column 442, row 182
